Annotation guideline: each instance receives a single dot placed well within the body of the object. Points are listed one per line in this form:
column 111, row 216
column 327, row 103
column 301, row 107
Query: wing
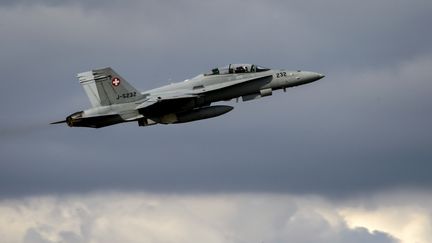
column 180, row 100
column 164, row 103
column 220, row 86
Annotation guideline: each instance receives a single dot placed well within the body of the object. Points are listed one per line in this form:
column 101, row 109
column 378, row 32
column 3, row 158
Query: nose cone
column 315, row 76
column 312, row 76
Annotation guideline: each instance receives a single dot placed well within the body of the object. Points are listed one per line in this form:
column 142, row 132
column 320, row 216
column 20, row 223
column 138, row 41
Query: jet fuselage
column 115, row 101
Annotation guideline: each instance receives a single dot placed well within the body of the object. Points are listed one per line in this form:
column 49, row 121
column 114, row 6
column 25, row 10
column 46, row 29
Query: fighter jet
column 115, row 101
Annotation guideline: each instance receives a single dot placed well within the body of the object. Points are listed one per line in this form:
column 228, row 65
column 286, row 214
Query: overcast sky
column 362, row 130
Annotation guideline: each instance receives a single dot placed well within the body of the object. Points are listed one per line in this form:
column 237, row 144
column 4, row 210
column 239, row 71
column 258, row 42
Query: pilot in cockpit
column 240, row 69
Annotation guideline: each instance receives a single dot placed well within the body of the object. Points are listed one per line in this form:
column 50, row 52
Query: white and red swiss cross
column 115, row 81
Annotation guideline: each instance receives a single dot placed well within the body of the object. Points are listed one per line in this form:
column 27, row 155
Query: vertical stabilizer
column 105, row 87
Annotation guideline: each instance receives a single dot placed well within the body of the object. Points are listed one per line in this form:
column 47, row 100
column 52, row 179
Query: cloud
column 405, row 215
column 333, row 35
column 363, row 128
column 244, row 177
column 353, row 133
column 135, row 217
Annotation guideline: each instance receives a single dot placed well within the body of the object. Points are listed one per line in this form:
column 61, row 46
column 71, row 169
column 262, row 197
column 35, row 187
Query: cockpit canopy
column 237, row 68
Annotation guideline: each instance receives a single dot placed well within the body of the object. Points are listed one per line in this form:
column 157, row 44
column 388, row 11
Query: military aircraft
column 115, row 101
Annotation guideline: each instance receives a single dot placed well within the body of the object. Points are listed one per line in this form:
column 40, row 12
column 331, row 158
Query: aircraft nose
column 312, row 76
column 317, row 76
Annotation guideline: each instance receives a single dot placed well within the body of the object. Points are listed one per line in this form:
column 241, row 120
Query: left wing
column 218, row 86
column 163, row 103
column 180, row 100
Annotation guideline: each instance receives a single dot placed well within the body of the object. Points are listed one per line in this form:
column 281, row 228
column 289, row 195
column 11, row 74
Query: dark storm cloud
column 362, row 128
column 11, row 3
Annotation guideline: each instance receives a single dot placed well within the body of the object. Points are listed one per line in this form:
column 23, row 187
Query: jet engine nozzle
column 74, row 119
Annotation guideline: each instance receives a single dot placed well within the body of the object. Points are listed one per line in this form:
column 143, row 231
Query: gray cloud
column 363, row 128
column 361, row 131
column 356, row 142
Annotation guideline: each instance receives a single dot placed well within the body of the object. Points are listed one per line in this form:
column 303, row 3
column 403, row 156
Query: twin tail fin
column 105, row 87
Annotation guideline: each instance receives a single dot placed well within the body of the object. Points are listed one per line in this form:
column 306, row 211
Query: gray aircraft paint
column 114, row 100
